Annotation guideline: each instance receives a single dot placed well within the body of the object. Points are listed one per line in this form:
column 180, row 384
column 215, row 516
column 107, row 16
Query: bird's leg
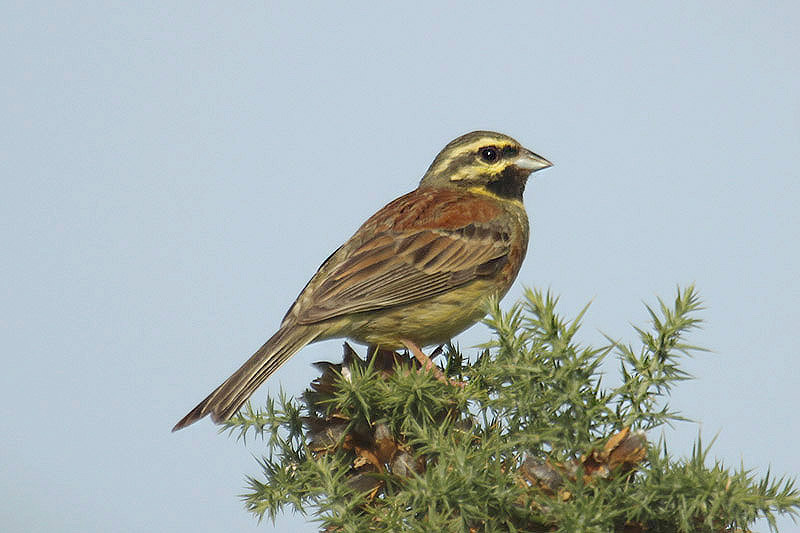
column 427, row 364
column 423, row 359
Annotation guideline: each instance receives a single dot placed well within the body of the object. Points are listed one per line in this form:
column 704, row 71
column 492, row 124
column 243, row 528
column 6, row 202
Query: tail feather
column 231, row 395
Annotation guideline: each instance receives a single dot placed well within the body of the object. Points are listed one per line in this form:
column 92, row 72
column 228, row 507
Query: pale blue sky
column 173, row 173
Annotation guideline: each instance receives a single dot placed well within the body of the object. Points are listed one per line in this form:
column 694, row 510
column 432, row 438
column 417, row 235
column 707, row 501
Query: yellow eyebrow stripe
column 466, row 149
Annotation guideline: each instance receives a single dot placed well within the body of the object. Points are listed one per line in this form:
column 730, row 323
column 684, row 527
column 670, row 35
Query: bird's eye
column 490, row 154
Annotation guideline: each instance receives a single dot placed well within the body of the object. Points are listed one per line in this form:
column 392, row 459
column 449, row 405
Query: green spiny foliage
column 530, row 442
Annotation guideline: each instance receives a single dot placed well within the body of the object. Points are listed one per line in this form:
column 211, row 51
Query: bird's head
column 484, row 161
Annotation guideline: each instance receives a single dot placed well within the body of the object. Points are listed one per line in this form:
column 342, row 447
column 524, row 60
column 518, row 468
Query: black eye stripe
column 492, row 154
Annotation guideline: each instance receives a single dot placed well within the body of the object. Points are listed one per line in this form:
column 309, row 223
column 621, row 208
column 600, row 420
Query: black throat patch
column 510, row 183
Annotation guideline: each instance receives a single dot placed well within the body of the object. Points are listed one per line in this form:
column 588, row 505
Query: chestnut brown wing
column 396, row 268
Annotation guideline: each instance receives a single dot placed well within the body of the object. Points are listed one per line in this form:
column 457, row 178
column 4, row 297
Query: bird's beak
column 529, row 161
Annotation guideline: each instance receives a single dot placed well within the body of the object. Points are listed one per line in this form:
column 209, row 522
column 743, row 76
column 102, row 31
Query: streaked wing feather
column 393, row 269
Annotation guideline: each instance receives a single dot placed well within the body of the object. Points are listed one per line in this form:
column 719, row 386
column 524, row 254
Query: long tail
column 231, row 395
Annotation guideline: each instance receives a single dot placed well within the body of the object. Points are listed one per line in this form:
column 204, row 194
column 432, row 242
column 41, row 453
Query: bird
column 416, row 273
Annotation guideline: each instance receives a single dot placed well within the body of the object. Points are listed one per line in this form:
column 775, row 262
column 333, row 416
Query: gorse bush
column 525, row 438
